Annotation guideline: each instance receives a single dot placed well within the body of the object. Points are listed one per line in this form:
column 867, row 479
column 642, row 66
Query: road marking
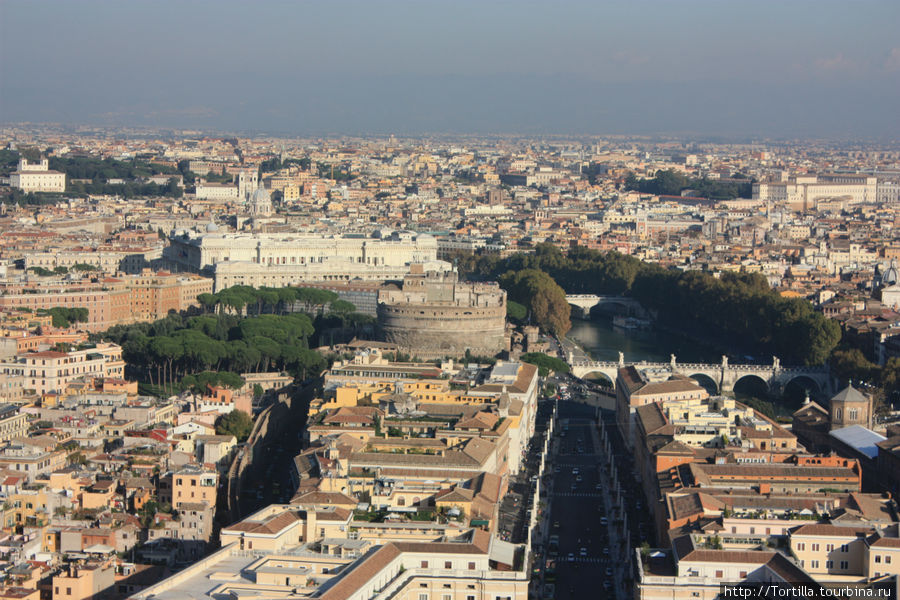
column 577, row 495
column 581, row 559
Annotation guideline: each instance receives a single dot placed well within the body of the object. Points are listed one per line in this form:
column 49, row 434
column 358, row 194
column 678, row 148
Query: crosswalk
column 586, row 560
column 578, row 494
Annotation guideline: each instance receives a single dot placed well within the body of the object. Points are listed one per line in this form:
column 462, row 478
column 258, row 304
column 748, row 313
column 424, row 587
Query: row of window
column 447, row 565
column 801, row 546
column 829, row 564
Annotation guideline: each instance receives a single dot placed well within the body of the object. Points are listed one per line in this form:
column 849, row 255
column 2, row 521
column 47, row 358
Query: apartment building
column 87, row 581
column 636, row 388
column 30, row 461
column 194, row 484
column 52, row 371
column 13, row 422
column 123, row 299
column 688, row 571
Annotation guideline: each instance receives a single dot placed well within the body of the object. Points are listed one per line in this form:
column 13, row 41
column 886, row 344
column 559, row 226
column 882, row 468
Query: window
column 814, row 564
column 878, row 558
column 887, row 559
column 844, row 565
column 829, row 547
column 423, row 596
column 471, row 566
column 844, row 548
column 829, row 564
column 815, row 547
column 854, row 413
column 801, row 546
column 743, row 574
column 718, row 574
column 68, row 591
column 424, row 564
column 448, row 564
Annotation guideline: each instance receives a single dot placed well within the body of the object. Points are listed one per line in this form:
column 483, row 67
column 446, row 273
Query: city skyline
column 691, row 68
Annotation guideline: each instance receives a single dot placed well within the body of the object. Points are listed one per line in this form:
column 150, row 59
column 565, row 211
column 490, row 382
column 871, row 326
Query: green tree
column 236, row 423
column 545, row 363
column 543, row 297
column 516, row 312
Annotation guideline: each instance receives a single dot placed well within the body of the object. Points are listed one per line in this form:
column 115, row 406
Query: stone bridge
column 723, row 375
column 622, row 305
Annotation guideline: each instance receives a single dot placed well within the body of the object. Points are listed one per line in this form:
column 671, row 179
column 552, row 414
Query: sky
column 714, row 68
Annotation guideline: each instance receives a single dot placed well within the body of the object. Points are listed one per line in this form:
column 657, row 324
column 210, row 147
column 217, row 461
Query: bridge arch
column 599, row 377
column 806, row 381
column 751, row 383
column 707, row 383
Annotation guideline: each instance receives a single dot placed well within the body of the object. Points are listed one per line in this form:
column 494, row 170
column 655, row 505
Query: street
column 580, row 551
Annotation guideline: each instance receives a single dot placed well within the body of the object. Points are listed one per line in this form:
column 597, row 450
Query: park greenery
column 42, row 272
column 236, row 423
column 91, row 175
column 65, row 317
column 545, row 363
column 243, row 329
column 672, row 183
column 166, row 352
column 738, row 311
column 324, row 305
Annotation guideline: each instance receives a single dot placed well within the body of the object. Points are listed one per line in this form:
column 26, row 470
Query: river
column 604, row 342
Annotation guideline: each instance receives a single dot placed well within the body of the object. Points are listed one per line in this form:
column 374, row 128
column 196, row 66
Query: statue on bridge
column 621, row 359
column 776, row 363
column 724, row 362
column 672, row 362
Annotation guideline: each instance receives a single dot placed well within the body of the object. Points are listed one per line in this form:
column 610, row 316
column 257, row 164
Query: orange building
column 194, row 484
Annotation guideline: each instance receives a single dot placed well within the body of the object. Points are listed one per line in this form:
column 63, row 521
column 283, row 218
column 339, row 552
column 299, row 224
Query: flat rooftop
column 199, row 584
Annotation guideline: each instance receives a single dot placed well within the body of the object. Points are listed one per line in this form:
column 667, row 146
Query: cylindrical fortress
column 434, row 315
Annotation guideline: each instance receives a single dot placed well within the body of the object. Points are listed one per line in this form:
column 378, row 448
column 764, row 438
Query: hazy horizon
column 697, row 68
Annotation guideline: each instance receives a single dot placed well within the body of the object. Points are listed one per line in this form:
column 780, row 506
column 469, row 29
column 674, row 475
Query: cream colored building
column 52, row 371
column 37, row 178
column 397, row 249
column 804, row 192
column 13, row 423
column 401, row 570
column 228, row 274
column 688, row 571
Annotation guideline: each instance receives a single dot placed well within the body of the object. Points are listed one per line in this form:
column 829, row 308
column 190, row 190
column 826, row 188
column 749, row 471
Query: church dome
column 211, row 227
column 890, row 275
column 260, row 202
column 260, row 195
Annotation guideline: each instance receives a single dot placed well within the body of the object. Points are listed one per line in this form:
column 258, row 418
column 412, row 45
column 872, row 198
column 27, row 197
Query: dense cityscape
column 254, row 345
